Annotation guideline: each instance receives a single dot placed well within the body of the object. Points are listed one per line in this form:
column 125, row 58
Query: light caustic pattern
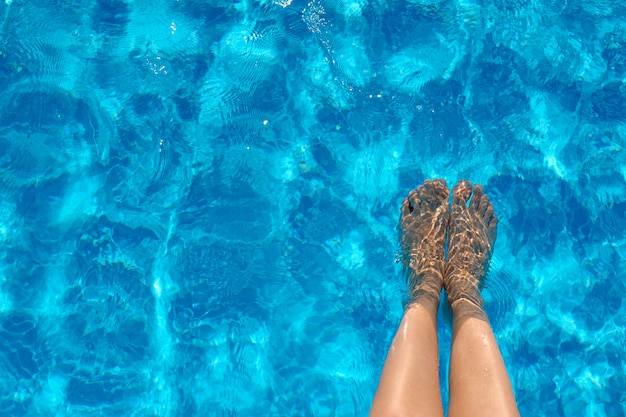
column 199, row 202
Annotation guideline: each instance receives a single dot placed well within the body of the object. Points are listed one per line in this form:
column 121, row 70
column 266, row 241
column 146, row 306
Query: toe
column 461, row 192
column 476, row 198
column 429, row 187
column 490, row 216
column 488, row 212
column 484, row 205
column 491, row 220
column 441, row 190
column 423, row 192
column 433, row 198
column 441, row 182
column 407, row 208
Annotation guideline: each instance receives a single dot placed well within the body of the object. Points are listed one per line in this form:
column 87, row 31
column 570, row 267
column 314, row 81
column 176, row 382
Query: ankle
column 466, row 307
column 426, row 290
column 463, row 287
column 426, row 298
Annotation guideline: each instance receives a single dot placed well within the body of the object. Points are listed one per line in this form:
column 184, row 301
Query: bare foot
column 471, row 238
column 424, row 222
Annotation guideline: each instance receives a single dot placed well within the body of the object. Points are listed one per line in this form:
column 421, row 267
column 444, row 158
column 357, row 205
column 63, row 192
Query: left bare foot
column 424, row 223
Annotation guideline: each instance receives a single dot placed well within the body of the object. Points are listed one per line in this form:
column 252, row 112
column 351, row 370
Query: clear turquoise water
column 199, row 199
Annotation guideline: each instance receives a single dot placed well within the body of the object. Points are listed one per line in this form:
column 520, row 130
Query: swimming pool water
column 199, row 199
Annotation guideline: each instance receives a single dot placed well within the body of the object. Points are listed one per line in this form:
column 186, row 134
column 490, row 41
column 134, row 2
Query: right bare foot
column 470, row 245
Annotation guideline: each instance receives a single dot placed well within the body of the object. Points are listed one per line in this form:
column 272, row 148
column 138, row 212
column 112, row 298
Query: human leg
column 409, row 384
column 479, row 383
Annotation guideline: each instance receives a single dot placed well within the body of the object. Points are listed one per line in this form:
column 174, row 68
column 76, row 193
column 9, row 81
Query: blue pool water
column 199, row 199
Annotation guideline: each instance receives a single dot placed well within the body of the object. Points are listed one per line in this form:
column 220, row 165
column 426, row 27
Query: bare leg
column 479, row 383
column 409, row 384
